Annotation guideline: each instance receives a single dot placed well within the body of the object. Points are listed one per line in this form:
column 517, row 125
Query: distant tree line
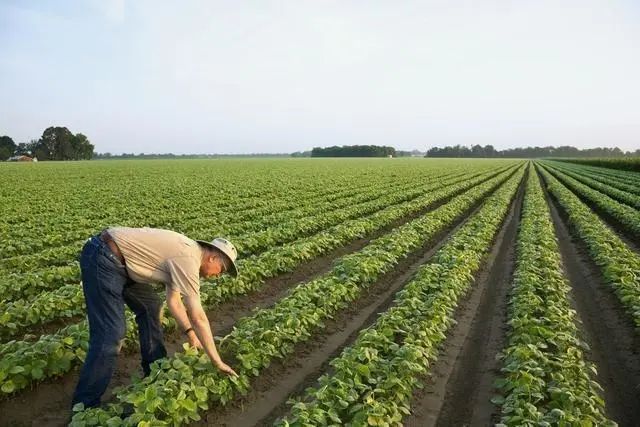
column 398, row 153
column 109, row 156
column 353, row 151
column 56, row 143
column 527, row 152
column 301, row 154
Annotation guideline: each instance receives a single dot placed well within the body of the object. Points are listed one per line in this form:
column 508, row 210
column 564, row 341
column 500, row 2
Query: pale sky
column 281, row 76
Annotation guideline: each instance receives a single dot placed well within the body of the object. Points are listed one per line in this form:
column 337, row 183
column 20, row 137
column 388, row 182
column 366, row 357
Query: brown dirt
column 48, row 402
column 267, row 399
column 460, row 386
column 605, row 326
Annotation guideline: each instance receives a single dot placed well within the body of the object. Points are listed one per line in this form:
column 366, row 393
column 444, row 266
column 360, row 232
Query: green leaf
column 37, row 373
column 363, row 370
column 16, row 370
column 188, row 404
column 498, row 400
column 114, row 422
column 201, row 393
column 8, row 387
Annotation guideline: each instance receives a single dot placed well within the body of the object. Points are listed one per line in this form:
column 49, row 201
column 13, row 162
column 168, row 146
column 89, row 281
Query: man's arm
column 195, row 317
column 177, row 310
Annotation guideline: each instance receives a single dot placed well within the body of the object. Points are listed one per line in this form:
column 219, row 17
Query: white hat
column 226, row 248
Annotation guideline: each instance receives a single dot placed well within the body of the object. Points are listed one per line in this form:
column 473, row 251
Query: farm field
column 418, row 292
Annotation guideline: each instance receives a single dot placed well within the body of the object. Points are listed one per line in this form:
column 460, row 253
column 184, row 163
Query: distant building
column 22, row 159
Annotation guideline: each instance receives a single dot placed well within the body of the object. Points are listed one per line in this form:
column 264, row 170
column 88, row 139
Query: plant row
column 622, row 163
column 244, row 221
column 619, row 264
column 626, row 216
column 14, row 286
column 546, row 379
column 180, row 387
column 254, row 271
column 632, row 178
column 24, row 286
column 373, row 380
column 610, row 180
column 627, row 198
column 246, row 191
column 68, row 300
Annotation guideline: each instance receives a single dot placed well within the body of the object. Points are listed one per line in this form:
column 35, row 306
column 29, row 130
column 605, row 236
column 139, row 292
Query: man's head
column 218, row 257
column 213, row 264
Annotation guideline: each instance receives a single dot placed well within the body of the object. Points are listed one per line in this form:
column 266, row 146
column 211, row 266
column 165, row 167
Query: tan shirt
column 160, row 256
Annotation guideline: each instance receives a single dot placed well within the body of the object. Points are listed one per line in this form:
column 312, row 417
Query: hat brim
column 234, row 267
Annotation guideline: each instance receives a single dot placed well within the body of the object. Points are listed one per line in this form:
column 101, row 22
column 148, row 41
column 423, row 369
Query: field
column 379, row 292
column 623, row 163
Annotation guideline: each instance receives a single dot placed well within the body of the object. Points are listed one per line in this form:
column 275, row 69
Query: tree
column 59, row 143
column 524, row 152
column 353, row 151
column 55, row 144
column 477, row 151
column 489, row 151
column 22, row 149
column 82, row 148
column 301, row 154
column 7, row 147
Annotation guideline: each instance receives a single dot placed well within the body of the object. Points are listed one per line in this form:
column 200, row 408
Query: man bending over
column 118, row 265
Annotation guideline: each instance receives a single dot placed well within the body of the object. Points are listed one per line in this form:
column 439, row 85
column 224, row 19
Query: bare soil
column 606, row 327
column 459, row 389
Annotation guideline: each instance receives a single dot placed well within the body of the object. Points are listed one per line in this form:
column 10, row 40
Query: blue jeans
column 107, row 288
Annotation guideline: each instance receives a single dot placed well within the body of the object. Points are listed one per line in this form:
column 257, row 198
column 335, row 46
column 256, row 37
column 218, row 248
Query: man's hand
column 194, row 341
column 226, row 369
column 196, row 316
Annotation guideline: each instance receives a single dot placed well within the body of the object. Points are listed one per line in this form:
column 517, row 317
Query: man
column 118, row 266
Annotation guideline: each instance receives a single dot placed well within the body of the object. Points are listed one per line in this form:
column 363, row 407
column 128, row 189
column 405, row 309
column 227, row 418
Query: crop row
column 626, row 216
column 215, row 220
column 627, row 198
column 68, row 300
column 373, row 380
column 619, row 264
column 15, row 286
column 626, row 163
column 71, row 342
column 278, row 260
column 77, row 224
column 242, row 221
column 632, row 178
column 612, row 181
column 23, row 286
column 545, row 377
column 69, row 216
column 179, row 388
